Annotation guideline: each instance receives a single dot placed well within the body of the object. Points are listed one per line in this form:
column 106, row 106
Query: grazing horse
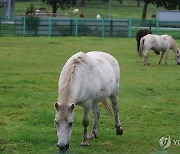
column 139, row 35
column 85, row 80
column 159, row 43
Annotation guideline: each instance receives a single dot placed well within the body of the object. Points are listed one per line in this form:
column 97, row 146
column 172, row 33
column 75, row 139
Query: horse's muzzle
column 178, row 63
column 63, row 147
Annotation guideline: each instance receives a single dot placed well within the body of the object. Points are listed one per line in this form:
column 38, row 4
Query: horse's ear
column 72, row 106
column 56, row 105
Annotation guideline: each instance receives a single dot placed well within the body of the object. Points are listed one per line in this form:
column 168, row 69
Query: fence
column 36, row 26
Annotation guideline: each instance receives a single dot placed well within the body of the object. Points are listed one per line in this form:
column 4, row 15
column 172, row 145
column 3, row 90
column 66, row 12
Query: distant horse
column 85, row 80
column 159, row 43
column 139, row 35
column 42, row 8
column 81, row 15
column 153, row 16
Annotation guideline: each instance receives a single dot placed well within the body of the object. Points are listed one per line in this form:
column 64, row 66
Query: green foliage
column 29, row 72
column 30, row 12
column 168, row 4
column 63, row 4
column 31, row 20
column 118, row 11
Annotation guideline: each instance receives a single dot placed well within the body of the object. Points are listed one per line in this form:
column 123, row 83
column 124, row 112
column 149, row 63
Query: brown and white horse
column 85, row 80
column 159, row 43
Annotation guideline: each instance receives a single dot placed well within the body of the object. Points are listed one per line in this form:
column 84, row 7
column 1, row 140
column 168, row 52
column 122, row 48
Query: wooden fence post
column 50, row 26
column 71, row 27
column 130, row 28
column 157, row 26
column 24, row 26
column 76, row 26
column 0, row 25
column 150, row 25
column 103, row 27
column 111, row 27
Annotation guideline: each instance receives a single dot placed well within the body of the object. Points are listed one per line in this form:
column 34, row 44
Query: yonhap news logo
column 166, row 142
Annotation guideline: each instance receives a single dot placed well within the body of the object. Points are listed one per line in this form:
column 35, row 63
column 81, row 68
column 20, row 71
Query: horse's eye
column 70, row 124
column 55, row 122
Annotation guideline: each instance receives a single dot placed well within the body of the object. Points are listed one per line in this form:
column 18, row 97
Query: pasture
column 29, row 71
column 92, row 8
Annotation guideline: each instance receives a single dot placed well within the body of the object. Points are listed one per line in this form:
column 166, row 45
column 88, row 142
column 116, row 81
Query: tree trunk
column 138, row 3
column 144, row 10
column 82, row 2
column 54, row 6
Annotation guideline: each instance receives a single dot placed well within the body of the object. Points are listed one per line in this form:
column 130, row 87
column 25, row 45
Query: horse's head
column 64, row 124
column 177, row 57
column 147, row 31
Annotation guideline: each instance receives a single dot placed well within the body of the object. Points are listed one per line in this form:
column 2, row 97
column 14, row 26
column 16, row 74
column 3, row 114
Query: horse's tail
column 138, row 43
column 141, row 46
column 107, row 107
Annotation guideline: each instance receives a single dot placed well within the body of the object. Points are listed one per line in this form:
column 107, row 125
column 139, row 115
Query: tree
column 146, row 2
column 168, row 4
column 138, row 3
column 82, row 2
column 63, row 4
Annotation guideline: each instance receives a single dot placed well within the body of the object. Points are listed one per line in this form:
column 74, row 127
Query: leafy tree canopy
column 168, row 4
column 63, row 4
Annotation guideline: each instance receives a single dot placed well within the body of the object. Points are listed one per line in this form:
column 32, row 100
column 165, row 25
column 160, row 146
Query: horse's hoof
column 92, row 136
column 84, row 143
column 119, row 130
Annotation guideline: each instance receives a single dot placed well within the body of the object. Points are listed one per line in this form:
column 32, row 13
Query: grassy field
column 118, row 11
column 29, row 70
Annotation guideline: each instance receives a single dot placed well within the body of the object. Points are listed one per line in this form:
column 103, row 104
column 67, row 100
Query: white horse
column 159, row 43
column 85, row 80
column 75, row 11
column 98, row 17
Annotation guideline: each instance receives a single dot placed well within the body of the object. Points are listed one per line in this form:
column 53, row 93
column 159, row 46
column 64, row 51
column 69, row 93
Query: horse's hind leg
column 114, row 100
column 162, row 54
column 96, row 114
column 146, row 54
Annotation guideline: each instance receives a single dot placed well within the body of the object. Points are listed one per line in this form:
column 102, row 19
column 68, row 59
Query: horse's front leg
column 114, row 100
column 162, row 54
column 166, row 56
column 85, row 123
column 96, row 114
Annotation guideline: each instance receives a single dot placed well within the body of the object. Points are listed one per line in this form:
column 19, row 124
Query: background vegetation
column 29, row 71
column 123, row 10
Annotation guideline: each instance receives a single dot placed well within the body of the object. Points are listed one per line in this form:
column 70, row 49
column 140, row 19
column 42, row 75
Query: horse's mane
column 174, row 45
column 67, row 75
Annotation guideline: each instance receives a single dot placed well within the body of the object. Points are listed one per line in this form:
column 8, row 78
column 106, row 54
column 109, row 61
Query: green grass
column 118, row 11
column 29, row 71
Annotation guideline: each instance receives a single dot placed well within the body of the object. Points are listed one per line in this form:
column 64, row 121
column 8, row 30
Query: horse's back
column 105, row 62
column 100, row 75
column 158, row 43
column 102, row 56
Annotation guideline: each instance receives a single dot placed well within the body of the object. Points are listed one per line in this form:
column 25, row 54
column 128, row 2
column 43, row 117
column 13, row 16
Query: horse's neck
column 67, row 93
column 69, row 85
column 174, row 46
